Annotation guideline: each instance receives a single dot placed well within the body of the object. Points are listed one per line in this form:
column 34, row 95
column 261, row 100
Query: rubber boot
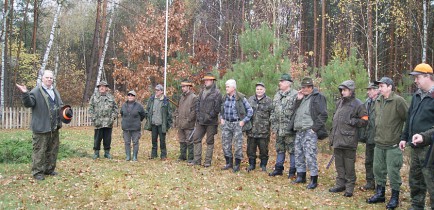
column 128, row 153
column 313, row 182
column 263, row 164
column 208, row 155
column 182, row 151
column 301, row 178
column 229, row 163
column 252, row 165
column 107, row 154
column 237, row 165
column 394, row 200
column 96, row 154
column 291, row 173
column 197, row 149
column 190, row 153
column 379, row 195
column 135, row 152
column 278, row 168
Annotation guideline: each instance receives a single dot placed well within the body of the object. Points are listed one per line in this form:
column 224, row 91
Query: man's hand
column 300, row 95
column 22, row 88
column 222, row 121
column 241, row 123
column 402, row 145
column 417, row 139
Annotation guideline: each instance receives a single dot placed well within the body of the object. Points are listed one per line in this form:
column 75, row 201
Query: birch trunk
column 220, row 28
column 425, row 31
column 101, row 62
column 3, row 40
column 50, row 43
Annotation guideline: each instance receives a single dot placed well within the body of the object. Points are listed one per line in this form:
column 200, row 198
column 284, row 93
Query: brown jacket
column 186, row 111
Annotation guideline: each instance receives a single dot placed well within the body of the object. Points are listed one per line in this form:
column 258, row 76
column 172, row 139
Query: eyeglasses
column 131, row 95
column 157, row 90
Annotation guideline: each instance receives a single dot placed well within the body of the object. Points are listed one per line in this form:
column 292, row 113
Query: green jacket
column 391, row 114
column 261, row 117
column 283, row 109
column 45, row 117
column 103, row 110
column 165, row 112
column 428, row 139
column 367, row 134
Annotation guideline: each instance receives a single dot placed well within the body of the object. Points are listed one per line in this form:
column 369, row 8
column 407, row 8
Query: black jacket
column 132, row 118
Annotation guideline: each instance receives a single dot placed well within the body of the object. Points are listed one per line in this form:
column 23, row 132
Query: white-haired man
column 236, row 113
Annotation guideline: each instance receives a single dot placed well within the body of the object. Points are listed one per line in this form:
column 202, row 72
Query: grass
column 84, row 183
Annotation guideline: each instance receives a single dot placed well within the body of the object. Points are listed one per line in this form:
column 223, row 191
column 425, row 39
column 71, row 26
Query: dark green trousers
column 158, row 132
column 388, row 163
column 261, row 144
column 44, row 155
column 369, row 162
column 345, row 160
column 421, row 179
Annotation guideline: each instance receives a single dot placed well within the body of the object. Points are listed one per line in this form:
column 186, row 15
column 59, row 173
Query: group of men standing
column 296, row 118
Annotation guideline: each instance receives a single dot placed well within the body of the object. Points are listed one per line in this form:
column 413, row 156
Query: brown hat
column 307, row 81
column 186, row 83
column 209, row 75
column 102, row 83
column 66, row 114
column 422, row 68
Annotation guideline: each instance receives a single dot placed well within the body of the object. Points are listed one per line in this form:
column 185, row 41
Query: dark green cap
column 285, row 77
column 307, row 81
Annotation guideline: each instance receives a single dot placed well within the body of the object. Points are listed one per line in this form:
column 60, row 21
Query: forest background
column 122, row 41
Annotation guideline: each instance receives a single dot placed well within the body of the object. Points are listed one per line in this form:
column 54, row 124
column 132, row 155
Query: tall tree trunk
column 101, row 63
column 323, row 33
column 3, row 43
column 35, row 26
column 315, row 33
column 425, row 30
column 91, row 66
column 219, row 32
column 369, row 39
column 302, row 29
column 50, row 43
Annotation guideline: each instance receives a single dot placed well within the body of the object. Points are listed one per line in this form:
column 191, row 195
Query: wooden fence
column 20, row 117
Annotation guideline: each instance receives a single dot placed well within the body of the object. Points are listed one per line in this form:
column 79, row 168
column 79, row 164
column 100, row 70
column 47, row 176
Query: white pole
column 165, row 46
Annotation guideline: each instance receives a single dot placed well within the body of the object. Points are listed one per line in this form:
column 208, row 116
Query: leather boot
column 190, row 153
column 229, row 162
column 107, row 154
column 291, row 173
column 394, row 200
column 370, row 185
column 313, row 182
column 263, row 164
column 278, row 168
column 182, row 151
column 301, row 178
column 252, row 165
column 128, row 153
column 208, row 155
column 237, row 165
column 96, row 154
column 379, row 195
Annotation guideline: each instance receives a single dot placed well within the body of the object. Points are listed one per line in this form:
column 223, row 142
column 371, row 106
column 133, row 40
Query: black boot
column 252, row 165
column 264, row 164
column 301, row 178
column 313, row 182
column 182, row 151
column 291, row 173
column 276, row 172
column 237, row 165
column 107, row 154
column 128, row 153
column 394, row 200
column 370, row 185
column 229, row 163
column 96, row 154
column 379, row 195
column 190, row 153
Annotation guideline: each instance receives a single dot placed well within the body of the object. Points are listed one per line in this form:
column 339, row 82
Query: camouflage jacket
column 103, row 110
column 261, row 117
column 283, row 108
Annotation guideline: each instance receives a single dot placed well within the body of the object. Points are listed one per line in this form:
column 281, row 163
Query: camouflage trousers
column 305, row 151
column 285, row 144
column 421, row 179
column 232, row 132
column 45, row 150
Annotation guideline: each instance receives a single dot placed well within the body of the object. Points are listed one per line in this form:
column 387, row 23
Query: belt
column 233, row 120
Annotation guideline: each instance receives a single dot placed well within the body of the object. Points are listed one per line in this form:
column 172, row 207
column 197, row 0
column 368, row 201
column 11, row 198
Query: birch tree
column 425, row 31
column 50, row 43
column 3, row 32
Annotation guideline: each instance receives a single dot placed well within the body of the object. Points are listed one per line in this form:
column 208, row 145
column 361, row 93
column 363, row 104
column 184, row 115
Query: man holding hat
column 283, row 109
column 207, row 112
column 159, row 120
column 132, row 113
column 350, row 114
column 310, row 116
column 103, row 111
column 236, row 113
column 390, row 116
column 416, row 134
column 186, row 120
column 259, row 135
column 45, row 102
column 366, row 135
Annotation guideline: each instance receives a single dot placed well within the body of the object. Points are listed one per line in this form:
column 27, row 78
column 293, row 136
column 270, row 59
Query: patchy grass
column 154, row 184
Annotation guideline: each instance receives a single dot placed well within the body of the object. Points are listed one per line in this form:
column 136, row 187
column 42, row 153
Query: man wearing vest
column 236, row 113
column 420, row 120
